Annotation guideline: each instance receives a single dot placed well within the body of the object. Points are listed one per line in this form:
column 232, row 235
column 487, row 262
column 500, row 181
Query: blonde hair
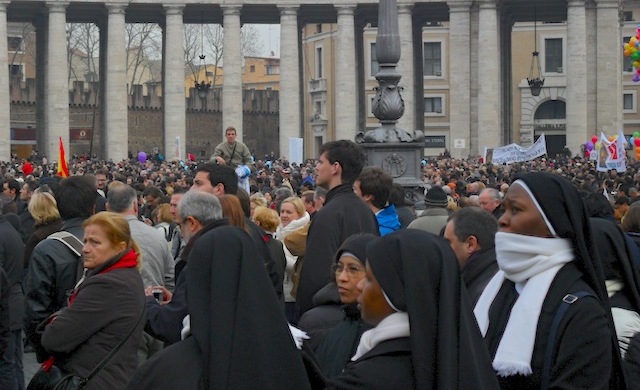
column 297, row 203
column 116, row 228
column 163, row 213
column 266, row 218
column 43, row 208
column 258, row 199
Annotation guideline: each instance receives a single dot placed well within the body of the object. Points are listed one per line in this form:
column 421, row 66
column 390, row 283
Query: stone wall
column 204, row 118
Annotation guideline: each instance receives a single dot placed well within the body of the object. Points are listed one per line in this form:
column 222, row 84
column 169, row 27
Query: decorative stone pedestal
column 402, row 161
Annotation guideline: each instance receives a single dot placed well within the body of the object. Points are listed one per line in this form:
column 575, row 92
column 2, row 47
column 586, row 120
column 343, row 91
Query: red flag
column 63, row 170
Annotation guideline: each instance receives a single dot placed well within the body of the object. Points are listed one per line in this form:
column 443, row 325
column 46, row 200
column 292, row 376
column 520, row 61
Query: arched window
column 552, row 109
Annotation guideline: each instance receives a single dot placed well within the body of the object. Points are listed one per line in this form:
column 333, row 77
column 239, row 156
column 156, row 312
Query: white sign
column 295, row 150
column 611, row 154
column 459, row 143
column 515, row 153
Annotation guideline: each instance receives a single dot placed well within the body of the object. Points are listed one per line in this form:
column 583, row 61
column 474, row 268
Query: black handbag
column 51, row 377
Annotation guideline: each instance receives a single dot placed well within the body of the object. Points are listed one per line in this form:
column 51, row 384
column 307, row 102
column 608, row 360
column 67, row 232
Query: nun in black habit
column 623, row 286
column 239, row 337
column 425, row 335
column 544, row 252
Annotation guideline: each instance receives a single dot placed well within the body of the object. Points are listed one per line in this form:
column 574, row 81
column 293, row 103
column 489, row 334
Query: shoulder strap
column 235, row 145
column 567, row 301
column 75, row 245
column 111, row 354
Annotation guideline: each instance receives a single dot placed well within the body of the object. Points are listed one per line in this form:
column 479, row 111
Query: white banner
column 295, row 150
column 515, row 153
column 611, row 154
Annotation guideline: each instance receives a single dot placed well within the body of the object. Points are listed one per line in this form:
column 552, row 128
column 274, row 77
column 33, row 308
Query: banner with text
column 611, row 154
column 515, row 153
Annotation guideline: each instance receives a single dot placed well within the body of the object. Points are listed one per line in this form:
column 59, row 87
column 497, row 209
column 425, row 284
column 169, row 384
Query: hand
column 166, row 294
column 220, row 160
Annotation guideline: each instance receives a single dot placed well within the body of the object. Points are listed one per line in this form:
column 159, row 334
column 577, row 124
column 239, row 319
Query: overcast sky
column 270, row 34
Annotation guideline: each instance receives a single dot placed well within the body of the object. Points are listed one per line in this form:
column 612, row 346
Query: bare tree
column 208, row 39
column 143, row 46
column 83, row 49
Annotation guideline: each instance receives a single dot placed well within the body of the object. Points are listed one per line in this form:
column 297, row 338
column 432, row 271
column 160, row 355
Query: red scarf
column 128, row 260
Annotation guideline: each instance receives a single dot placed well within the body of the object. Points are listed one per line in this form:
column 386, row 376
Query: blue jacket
column 388, row 221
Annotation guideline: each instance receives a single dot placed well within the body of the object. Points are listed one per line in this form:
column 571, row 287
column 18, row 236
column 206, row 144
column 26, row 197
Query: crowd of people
column 324, row 274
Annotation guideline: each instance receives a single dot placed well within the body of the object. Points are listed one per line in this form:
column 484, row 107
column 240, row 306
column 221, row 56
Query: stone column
column 232, row 82
column 459, row 78
column 114, row 104
column 56, row 113
column 5, row 105
column 406, row 69
column 489, row 82
column 609, row 70
column 576, row 97
column 346, row 123
column 289, row 79
column 174, row 101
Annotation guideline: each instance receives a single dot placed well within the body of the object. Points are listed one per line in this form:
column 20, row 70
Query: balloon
column 636, row 134
column 598, row 144
column 626, row 53
column 587, row 153
column 594, row 139
column 611, row 139
column 142, row 157
column 635, row 78
column 636, row 141
column 589, row 145
column 637, row 149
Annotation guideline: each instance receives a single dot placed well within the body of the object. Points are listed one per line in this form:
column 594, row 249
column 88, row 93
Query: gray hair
column 495, row 194
column 202, row 206
column 121, row 198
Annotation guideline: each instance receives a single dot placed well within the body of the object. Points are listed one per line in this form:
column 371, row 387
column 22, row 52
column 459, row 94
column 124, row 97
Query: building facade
column 464, row 65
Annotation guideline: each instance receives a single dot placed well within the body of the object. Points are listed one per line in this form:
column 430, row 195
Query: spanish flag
column 63, row 170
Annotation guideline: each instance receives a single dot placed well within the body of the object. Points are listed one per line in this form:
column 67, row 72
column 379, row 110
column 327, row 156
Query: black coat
column 326, row 314
column 388, row 362
column 11, row 258
column 230, row 346
column 50, row 280
column 343, row 215
column 40, row 233
column 480, row 268
column 583, row 349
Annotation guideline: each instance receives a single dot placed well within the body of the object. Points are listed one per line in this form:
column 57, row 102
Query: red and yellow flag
column 63, row 169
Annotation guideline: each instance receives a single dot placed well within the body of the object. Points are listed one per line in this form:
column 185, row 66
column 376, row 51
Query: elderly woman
column 425, row 336
column 106, row 307
column 545, row 315
column 292, row 231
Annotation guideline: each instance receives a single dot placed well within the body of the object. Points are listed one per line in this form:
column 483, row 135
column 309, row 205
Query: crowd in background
column 152, row 216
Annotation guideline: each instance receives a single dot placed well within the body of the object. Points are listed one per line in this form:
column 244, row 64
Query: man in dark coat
column 198, row 213
column 11, row 261
column 471, row 232
column 53, row 266
column 342, row 215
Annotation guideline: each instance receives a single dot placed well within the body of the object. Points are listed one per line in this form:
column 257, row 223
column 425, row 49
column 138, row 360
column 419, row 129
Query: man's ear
column 472, row 244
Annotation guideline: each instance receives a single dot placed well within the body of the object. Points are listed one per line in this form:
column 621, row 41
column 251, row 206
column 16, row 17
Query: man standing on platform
column 231, row 152
column 342, row 215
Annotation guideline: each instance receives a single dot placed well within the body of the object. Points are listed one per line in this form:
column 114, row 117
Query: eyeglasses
column 352, row 270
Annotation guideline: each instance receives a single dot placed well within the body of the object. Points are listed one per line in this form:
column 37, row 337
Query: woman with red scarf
column 103, row 309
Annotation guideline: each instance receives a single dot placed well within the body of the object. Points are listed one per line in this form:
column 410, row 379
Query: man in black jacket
column 11, row 261
column 342, row 215
column 471, row 232
column 51, row 276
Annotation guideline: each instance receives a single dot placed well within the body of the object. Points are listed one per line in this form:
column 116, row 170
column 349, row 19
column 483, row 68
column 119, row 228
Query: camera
column 157, row 294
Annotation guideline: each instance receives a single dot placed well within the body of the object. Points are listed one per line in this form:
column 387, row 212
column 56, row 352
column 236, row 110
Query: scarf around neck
column 532, row 263
column 393, row 326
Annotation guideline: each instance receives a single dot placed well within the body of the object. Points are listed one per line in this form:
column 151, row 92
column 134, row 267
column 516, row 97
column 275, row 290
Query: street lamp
column 535, row 83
